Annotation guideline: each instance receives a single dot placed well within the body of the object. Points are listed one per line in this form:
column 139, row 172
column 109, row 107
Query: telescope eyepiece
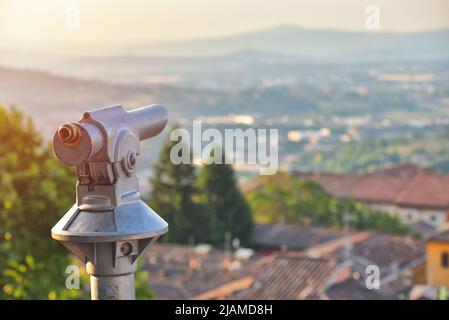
column 74, row 143
column 105, row 135
column 69, row 134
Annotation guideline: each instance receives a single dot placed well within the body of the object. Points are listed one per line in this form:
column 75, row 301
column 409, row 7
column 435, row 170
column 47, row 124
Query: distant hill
column 51, row 99
column 271, row 52
column 316, row 45
column 282, row 43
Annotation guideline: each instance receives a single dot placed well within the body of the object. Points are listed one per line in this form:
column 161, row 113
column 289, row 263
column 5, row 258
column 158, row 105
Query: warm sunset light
column 39, row 24
column 219, row 157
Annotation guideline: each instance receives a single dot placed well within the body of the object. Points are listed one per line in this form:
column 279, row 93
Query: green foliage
column 143, row 291
column 175, row 197
column 225, row 204
column 35, row 191
column 303, row 202
column 427, row 149
column 201, row 208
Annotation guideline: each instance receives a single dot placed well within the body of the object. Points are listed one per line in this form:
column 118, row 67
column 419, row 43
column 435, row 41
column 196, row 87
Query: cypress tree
column 175, row 197
column 225, row 204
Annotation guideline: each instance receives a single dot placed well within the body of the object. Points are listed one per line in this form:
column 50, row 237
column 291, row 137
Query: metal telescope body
column 109, row 227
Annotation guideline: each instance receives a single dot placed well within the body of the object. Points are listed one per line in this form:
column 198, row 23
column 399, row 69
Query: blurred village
column 295, row 262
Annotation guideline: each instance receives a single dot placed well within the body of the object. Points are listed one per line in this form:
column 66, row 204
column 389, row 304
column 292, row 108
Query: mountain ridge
column 320, row 45
column 305, row 45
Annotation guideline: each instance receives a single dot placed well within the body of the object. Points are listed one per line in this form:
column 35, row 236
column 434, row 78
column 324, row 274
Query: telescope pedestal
column 112, row 288
column 109, row 227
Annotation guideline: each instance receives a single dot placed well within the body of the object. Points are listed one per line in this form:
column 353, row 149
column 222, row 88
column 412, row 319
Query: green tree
column 225, row 204
column 292, row 201
column 287, row 199
column 175, row 197
column 35, row 191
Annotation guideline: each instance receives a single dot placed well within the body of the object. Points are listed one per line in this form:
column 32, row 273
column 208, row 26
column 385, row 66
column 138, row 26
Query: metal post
column 113, row 288
column 109, row 227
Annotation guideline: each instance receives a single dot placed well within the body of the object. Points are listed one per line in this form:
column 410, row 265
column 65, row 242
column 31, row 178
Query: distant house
column 333, row 269
column 438, row 259
column 419, row 196
column 337, row 270
column 436, row 268
column 184, row 272
column 398, row 259
column 291, row 276
column 277, row 236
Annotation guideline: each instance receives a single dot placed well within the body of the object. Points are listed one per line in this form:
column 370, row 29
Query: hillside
column 317, row 45
column 51, row 99
column 428, row 149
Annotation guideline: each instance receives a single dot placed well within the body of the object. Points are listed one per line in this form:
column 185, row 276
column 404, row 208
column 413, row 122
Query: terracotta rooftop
column 179, row 272
column 291, row 276
column 292, row 237
column 406, row 185
column 442, row 235
column 386, row 251
column 351, row 289
column 377, row 188
column 422, row 228
column 333, row 246
column 325, row 271
column 390, row 253
column 403, row 170
column 339, row 185
column 425, row 190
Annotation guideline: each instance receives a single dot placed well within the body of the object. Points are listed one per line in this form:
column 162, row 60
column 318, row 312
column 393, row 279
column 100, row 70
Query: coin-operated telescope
column 109, row 227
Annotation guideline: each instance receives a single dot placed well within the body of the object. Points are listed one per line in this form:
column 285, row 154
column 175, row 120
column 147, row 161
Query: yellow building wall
column 437, row 275
column 420, row 274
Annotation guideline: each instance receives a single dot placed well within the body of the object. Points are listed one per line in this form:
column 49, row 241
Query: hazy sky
column 27, row 23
